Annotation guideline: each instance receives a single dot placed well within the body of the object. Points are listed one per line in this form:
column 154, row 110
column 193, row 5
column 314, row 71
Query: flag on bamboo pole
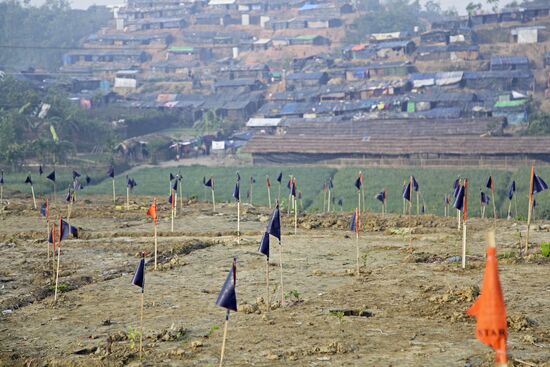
column 490, row 183
column 170, row 199
column 280, row 177
column 407, row 191
column 267, row 182
column 484, row 198
column 1, row 177
column 69, row 197
column 274, row 224
column 44, row 209
column 490, row 310
column 237, row 191
column 353, row 225
column 228, row 297
column 40, row 170
column 512, row 190
column 416, row 186
column 152, row 211
column 330, row 184
column 239, row 177
column 459, row 199
column 111, row 172
column 207, row 183
column 51, row 176
column 358, row 182
column 172, row 177
column 340, row 202
column 131, row 183
column 139, row 275
column 77, row 185
column 175, row 185
column 381, row 196
column 538, row 184
column 293, row 187
column 264, row 244
column 67, row 229
column 28, row 180
column 75, row 174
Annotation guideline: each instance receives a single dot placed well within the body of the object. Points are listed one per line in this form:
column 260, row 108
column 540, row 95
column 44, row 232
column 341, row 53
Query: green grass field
column 434, row 184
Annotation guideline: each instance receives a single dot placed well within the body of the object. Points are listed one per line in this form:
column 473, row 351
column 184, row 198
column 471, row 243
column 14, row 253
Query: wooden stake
column 224, row 337
column 141, row 328
column 458, row 218
column 281, row 266
column 48, row 237
column 114, row 195
column 33, row 197
column 239, row 222
column 155, row 234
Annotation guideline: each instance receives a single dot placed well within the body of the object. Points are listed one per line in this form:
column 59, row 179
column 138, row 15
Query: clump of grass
column 133, row 335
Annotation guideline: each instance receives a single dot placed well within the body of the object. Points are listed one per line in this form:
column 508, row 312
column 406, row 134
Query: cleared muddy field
column 405, row 308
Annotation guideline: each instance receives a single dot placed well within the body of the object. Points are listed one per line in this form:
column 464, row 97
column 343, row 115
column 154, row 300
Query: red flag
column 152, row 211
column 490, row 310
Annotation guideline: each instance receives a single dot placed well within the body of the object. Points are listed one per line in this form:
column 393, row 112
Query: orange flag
column 490, row 310
column 152, row 211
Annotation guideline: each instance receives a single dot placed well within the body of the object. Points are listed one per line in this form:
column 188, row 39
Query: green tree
column 493, row 4
column 538, row 124
column 472, row 8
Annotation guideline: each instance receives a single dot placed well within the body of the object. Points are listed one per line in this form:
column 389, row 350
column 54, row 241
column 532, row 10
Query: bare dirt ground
column 412, row 300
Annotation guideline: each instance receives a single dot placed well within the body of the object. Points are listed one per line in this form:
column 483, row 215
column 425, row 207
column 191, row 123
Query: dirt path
column 412, row 299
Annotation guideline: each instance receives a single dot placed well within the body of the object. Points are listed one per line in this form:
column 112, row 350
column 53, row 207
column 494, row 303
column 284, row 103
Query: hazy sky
column 83, row 4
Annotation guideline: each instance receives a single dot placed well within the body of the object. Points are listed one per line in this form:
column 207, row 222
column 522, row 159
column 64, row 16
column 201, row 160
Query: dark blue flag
column 75, row 174
column 358, row 183
column 538, row 184
column 407, row 192
column 353, row 222
column 51, row 176
column 139, row 275
column 252, row 180
column 459, row 200
column 1, row 177
column 40, row 170
column 67, row 229
column 28, row 180
column 280, row 177
column 88, row 180
column 170, row 199
column 208, row 183
column 172, row 177
column 175, row 185
column 381, row 196
column 330, row 184
column 512, row 190
column 534, row 203
column 340, row 202
column 423, row 209
column 239, row 177
column 237, row 192
column 490, row 183
column 44, row 209
column 274, row 224
column 456, row 185
column 484, row 198
column 264, row 244
column 111, row 172
column 131, row 183
column 227, row 297
column 293, row 188
column 416, row 186
column 69, row 196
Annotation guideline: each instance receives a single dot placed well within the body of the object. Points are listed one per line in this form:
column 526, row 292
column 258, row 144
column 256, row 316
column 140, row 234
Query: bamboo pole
column 114, row 195
column 516, row 205
column 329, row 199
column 213, row 200
column 363, row 189
column 359, row 200
column 509, row 216
column 279, row 194
column 251, row 187
column 224, row 338
column 127, row 198
column 239, row 222
column 357, row 240
column 465, row 209
column 281, row 266
column 141, row 327
column 175, row 204
column 324, row 201
column 155, row 234
column 33, row 197
column 295, row 215
column 267, row 301
column 530, row 207
column 410, row 209
column 172, row 213
column 494, row 206
column 54, row 195
column 417, row 203
column 58, row 257
column 269, row 196
column 180, row 187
